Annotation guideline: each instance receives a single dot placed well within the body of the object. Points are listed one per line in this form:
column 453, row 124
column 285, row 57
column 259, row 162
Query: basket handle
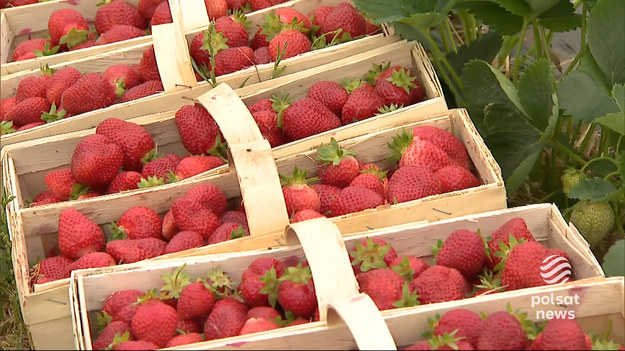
column 193, row 14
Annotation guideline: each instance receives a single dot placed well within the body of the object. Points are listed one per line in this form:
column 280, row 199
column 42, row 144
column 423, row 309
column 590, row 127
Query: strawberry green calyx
column 74, row 37
column 220, row 149
column 150, row 182
column 504, row 251
column 237, row 233
column 333, row 153
column 297, row 274
column 47, row 51
column 53, row 115
column 403, row 79
column 279, row 103
column 399, row 145
column 104, row 2
column 372, row 75
column 272, row 25
column 152, row 294
column 432, row 323
column 213, row 43
column 489, row 282
column 46, row 70
column 172, row 177
column 603, row 342
column 338, row 37
column 78, row 190
column 277, row 70
column 218, row 283
column 174, row 282
column 530, row 327
column 118, row 339
column 239, row 16
column 447, row 339
column 151, row 156
column 371, row 256
column 120, row 87
column 404, row 269
column 102, row 319
column 375, row 171
column 437, row 247
column 272, row 283
column 117, row 232
column 6, row 127
column 297, row 178
column 351, row 84
column 409, row 299
column 283, row 322
column 386, row 109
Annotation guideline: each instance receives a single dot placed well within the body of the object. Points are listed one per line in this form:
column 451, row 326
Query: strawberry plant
column 558, row 135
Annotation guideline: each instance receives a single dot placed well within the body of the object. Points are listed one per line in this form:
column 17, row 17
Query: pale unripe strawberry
column 594, row 220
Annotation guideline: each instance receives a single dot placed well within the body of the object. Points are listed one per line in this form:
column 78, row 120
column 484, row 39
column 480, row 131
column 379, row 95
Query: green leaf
column 540, row 6
column 613, row 260
column 618, row 94
column 606, row 38
column 601, row 167
column 495, row 16
column 386, row 10
column 517, row 7
column 593, row 189
column 621, row 164
column 484, row 48
column 425, row 21
column 614, row 121
column 519, row 175
column 536, row 88
column 509, row 43
column 561, row 17
column 410, row 33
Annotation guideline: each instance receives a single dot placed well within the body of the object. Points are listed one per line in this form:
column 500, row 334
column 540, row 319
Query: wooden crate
column 181, row 88
column 34, row 230
column 543, row 220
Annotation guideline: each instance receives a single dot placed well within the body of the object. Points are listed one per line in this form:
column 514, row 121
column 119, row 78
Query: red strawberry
column 384, row 286
column 446, row 141
column 209, row 196
column 78, row 234
column 306, row 117
column 259, row 285
column 233, row 30
column 124, row 181
column 233, row 59
column 464, row 251
column 421, row 345
column 263, row 312
column 191, row 215
column 522, row 267
column 411, row 183
column 28, row 111
column 183, row 241
column 318, row 15
column 261, row 56
column 85, row 44
column 32, row 86
column 371, row 179
column 340, row 166
column 195, row 300
column 91, row 92
column 61, row 80
column 30, row 125
column 234, row 217
column 138, row 222
column 184, row 339
column 515, row 227
column 398, row 86
column 561, row 334
column 147, row 7
column 345, row 18
column 290, row 43
column 260, row 4
column 60, row 183
column 455, row 177
column 108, row 334
column 188, row 326
column 136, row 345
column 332, row 95
column 119, row 32
column 169, row 228
column 161, row 166
column 305, row 215
column 198, row 130
column 259, row 40
column 6, row 104
column 267, row 121
column 134, row 250
column 93, row 260
column 53, row 268
column 67, row 27
column 297, row 292
column 150, row 87
column 467, row 323
column 134, row 140
column 148, row 67
column 257, row 325
column 114, row 74
column 194, row 165
column 327, row 195
column 216, row 8
column 261, row 265
column 297, row 194
column 155, row 322
column 502, row 331
column 355, row 199
column 261, row 105
column 162, row 14
column 198, row 51
column 408, row 266
column 439, row 284
column 28, row 49
column 412, row 151
column 361, row 104
column 96, row 161
column 227, row 231
column 226, row 319
column 117, row 12
column 119, row 300
column 371, row 253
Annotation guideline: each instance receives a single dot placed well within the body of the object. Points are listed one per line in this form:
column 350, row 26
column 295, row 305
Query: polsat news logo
column 555, row 270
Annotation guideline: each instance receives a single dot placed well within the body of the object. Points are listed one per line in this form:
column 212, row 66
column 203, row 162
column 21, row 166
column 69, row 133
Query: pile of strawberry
column 466, row 265
column 120, row 156
column 461, row 329
column 285, row 33
column 271, row 295
column 199, row 218
column 431, row 161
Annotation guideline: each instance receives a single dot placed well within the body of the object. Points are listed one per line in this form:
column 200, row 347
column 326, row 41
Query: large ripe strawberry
column 259, row 40
column 373, row 179
column 107, row 336
column 227, row 231
column 345, row 18
column 561, row 334
column 411, row 151
column 120, row 299
column 134, row 140
column 464, row 251
column 33, row 48
column 209, row 196
column 259, row 287
column 267, row 121
column 362, row 103
column 67, row 27
column 398, row 86
column 522, row 267
column 467, row 323
column 199, row 52
column 33, row 86
column 233, row 59
column 194, row 165
column 124, row 181
column 355, row 199
column 440, row 284
column 78, row 234
column 161, row 166
column 455, row 177
column 306, row 117
column 288, row 43
column 502, row 331
column 169, row 228
column 318, row 16
column 408, row 266
column 371, row 253
column 147, row 7
column 263, row 312
column 298, row 195
column 446, row 141
column 515, row 227
column 332, row 95
column 96, row 161
column 52, row 268
column 61, row 80
column 60, row 183
column 226, row 319
column 91, row 92
column 183, row 241
column 162, row 14
column 234, row 217
column 138, row 222
column 119, row 32
column 150, row 87
column 191, row 215
column 260, row 4
column 195, row 300
column 232, row 29
column 28, row 111
column 199, row 133
column 257, row 325
column 261, row 265
column 134, row 250
column 148, row 67
column 116, row 12
column 297, row 292
column 383, row 285
column 305, row 215
column 155, row 322
column 340, row 165
column 411, row 183
column 327, row 195
column 43, row 198
column 184, row 339
column 6, row 104
column 93, row 260
column 216, row 8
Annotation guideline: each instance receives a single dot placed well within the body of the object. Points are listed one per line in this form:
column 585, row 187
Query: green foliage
column 613, row 260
